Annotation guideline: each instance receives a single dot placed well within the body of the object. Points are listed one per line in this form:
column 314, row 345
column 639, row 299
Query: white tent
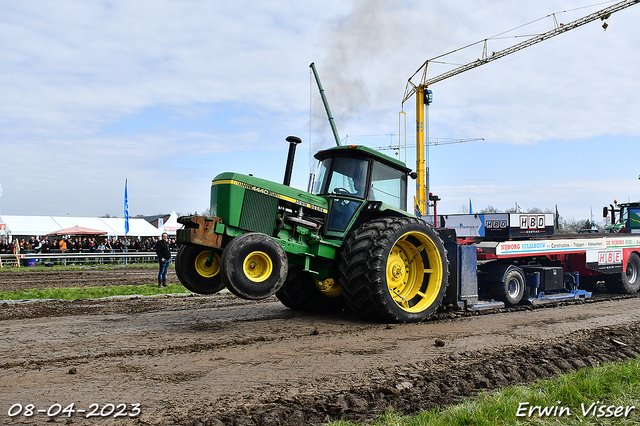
column 86, row 222
column 42, row 225
column 137, row 227
column 171, row 225
column 30, row 225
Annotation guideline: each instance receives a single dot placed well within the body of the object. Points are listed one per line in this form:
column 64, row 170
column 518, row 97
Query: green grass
column 73, row 293
column 614, row 384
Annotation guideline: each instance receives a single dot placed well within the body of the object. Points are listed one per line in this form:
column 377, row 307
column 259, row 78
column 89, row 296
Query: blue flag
column 126, row 209
column 470, row 208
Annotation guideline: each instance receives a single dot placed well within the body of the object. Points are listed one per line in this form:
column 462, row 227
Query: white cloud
column 96, row 92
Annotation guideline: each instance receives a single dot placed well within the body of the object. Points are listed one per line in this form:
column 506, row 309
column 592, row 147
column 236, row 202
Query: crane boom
column 432, row 142
column 563, row 28
column 421, row 89
column 334, row 129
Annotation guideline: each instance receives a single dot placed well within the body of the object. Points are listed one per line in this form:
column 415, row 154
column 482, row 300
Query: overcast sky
column 168, row 94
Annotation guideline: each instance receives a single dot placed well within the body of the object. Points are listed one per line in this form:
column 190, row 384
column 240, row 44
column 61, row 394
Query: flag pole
column 126, row 209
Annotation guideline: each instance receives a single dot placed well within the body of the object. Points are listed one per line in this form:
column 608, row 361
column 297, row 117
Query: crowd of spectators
column 81, row 245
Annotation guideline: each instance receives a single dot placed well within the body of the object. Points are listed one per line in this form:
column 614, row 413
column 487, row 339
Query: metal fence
column 81, row 258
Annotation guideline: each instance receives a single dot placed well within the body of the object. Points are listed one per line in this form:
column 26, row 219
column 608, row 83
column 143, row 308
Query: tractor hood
column 283, row 192
column 252, row 204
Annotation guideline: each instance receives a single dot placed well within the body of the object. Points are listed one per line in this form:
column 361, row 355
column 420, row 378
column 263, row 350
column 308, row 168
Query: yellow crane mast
column 422, row 88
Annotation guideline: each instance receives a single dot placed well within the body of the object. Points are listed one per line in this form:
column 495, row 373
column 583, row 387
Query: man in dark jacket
column 164, row 257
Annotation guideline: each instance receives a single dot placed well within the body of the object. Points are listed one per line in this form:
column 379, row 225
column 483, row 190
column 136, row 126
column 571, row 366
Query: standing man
column 164, row 257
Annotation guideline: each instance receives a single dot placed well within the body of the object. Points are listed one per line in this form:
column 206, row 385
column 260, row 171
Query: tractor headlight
column 373, row 205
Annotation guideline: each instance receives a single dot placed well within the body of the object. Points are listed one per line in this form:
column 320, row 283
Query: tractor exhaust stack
column 293, row 142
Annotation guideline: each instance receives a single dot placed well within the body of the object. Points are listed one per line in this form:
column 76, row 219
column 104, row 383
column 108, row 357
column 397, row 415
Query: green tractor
column 350, row 244
column 627, row 219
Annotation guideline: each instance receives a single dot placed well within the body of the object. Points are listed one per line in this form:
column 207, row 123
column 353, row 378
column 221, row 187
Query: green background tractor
column 625, row 217
column 350, row 244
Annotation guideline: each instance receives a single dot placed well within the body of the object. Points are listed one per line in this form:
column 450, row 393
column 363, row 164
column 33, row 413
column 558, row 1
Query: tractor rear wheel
column 627, row 282
column 394, row 270
column 193, row 272
column 254, row 266
column 302, row 292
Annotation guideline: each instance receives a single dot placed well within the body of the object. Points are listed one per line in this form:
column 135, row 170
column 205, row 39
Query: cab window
column 342, row 176
column 634, row 218
column 388, row 185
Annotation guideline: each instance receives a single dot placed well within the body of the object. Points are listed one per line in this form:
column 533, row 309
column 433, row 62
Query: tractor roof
column 359, row 151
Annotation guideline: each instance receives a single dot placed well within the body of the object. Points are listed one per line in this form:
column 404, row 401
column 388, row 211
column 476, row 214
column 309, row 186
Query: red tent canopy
column 78, row 230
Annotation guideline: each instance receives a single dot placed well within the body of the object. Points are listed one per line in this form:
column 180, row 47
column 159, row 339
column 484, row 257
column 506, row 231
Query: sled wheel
column 194, row 274
column 628, row 282
column 254, row 266
column 302, row 292
column 394, row 270
column 510, row 288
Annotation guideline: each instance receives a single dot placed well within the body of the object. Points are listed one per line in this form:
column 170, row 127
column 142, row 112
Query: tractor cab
column 355, row 177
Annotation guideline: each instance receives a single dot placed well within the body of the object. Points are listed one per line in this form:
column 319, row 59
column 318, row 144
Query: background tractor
column 625, row 217
column 348, row 244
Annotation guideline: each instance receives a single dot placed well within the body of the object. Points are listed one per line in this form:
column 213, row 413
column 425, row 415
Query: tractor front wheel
column 254, row 266
column 193, row 272
column 394, row 270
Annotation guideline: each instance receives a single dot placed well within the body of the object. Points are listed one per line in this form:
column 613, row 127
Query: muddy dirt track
column 217, row 360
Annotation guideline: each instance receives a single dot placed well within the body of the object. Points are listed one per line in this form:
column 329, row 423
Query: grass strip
column 605, row 395
column 74, row 293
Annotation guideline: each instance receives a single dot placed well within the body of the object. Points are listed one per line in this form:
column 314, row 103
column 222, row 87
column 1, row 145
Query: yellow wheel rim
column 329, row 287
column 414, row 272
column 201, row 264
column 257, row 266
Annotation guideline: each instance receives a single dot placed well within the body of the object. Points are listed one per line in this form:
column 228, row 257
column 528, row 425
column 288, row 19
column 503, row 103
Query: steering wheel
column 342, row 191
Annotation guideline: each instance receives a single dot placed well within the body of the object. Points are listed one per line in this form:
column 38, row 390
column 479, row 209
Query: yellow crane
column 423, row 94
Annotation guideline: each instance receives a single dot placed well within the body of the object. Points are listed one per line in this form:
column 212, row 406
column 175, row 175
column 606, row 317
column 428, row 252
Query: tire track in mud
column 435, row 383
column 427, row 381
column 192, row 339
column 110, row 307
column 35, row 364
